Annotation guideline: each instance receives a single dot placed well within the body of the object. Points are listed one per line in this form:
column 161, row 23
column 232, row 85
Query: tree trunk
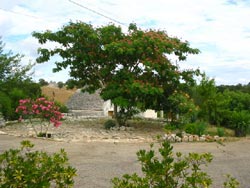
column 115, row 111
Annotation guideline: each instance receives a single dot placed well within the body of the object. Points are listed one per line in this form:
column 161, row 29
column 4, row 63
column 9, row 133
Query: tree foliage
column 132, row 69
column 15, row 82
column 227, row 106
column 43, row 82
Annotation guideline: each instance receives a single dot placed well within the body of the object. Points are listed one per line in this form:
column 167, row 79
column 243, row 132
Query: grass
column 61, row 95
column 213, row 130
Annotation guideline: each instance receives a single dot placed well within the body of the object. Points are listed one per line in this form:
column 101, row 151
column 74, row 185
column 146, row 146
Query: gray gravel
column 98, row 162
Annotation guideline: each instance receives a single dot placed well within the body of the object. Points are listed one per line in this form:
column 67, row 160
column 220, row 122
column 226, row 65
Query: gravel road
column 97, row 162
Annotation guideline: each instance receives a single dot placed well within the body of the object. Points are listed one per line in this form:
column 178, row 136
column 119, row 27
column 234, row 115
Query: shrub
column 25, row 168
column 47, row 111
column 240, row 122
column 170, row 171
column 170, row 127
column 197, row 128
column 5, row 105
column 220, row 131
column 109, row 124
column 62, row 108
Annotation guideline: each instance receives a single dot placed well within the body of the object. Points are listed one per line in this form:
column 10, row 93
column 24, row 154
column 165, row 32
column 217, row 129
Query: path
column 98, row 162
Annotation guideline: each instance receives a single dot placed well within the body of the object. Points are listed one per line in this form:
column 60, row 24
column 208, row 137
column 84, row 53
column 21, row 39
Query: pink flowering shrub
column 41, row 109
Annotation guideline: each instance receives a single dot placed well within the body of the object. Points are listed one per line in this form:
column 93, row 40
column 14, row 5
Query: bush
column 5, row 106
column 25, row 168
column 240, row 122
column 109, row 124
column 62, row 108
column 197, row 128
column 46, row 111
column 220, row 132
column 170, row 171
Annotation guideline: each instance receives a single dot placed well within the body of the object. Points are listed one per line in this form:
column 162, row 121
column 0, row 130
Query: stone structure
column 85, row 104
column 92, row 105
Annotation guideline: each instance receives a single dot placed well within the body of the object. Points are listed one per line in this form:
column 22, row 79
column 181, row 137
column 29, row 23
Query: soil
column 100, row 155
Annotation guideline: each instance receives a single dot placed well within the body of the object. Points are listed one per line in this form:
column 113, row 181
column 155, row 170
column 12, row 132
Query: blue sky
column 219, row 28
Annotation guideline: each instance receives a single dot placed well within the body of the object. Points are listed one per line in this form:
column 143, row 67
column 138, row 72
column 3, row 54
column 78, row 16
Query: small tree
column 43, row 82
column 60, row 84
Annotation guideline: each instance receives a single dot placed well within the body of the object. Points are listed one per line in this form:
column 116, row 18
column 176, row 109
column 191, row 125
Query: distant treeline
column 238, row 87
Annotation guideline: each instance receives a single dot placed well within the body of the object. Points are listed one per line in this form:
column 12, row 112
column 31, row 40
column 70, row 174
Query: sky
column 220, row 29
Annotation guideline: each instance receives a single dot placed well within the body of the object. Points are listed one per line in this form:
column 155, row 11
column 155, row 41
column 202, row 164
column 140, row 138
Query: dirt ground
column 99, row 160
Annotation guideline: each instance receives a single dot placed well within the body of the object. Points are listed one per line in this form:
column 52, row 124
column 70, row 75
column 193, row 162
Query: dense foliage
column 133, row 69
column 223, row 107
column 26, row 168
column 15, row 83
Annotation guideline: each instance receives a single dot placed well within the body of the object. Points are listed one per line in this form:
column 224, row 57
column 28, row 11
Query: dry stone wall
column 85, row 104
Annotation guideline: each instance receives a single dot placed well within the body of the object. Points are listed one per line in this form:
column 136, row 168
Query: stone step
column 87, row 113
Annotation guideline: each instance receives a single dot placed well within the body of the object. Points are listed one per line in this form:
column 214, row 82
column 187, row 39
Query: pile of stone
column 122, row 128
column 185, row 137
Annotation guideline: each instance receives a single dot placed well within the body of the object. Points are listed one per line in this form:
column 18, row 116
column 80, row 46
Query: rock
column 196, row 138
column 169, row 137
column 130, row 128
column 1, row 132
column 115, row 128
column 202, row 139
column 122, row 128
column 164, row 137
column 185, row 138
column 178, row 139
column 190, row 138
column 216, row 138
column 173, row 135
column 209, row 138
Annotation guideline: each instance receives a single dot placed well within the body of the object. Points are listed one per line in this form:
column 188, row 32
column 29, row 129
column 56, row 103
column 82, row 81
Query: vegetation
column 60, row 95
column 46, row 111
column 26, row 168
column 60, row 84
column 134, row 70
column 226, row 108
column 15, row 83
column 197, row 128
column 43, row 82
column 131, row 69
column 170, row 170
column 109, row 124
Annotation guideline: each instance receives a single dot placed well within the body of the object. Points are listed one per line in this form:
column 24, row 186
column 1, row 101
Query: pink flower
column 40, row 108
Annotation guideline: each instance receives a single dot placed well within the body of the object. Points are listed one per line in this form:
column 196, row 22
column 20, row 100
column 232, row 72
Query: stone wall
column 85, row 104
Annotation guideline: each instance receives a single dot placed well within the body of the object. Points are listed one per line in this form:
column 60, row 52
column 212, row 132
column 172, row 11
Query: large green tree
column 133, row 69
column 15, row 82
